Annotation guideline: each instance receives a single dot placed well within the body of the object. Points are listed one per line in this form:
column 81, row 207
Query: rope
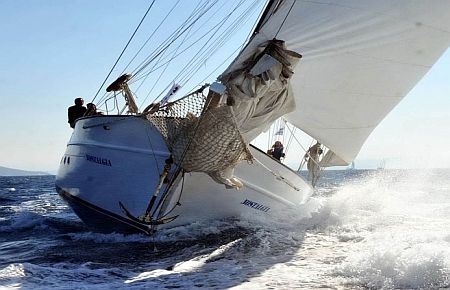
column 284, row 20
column 178, row 201
column 214, row 46
column 207, row 51
column 172, row 38
column 123, row 50
column 306, row 151
column 277, row 176
column 189, row 46
column 302, row 163
column 145, row 78
column 290, row 137
column 203, row 81
column 153, row 151
column 151, row 35
column 269, row 138
column 162, row 73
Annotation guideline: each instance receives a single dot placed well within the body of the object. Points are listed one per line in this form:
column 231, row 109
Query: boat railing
column 115, row 107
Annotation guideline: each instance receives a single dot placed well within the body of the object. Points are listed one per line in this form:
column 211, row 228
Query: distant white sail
column 360, row 58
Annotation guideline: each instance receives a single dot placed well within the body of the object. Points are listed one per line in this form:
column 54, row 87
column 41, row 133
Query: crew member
column 312, row 157
column 76, row 111
column 277, row 150
column 91, row 110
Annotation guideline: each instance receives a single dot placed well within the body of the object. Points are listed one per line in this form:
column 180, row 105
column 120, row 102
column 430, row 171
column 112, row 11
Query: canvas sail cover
column 360, row 58
column 259, row 90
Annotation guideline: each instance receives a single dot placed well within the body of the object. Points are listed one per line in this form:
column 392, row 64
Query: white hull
column 112, row 159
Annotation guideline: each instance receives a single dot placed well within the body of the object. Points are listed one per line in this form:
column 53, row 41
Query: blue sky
column 53, row 51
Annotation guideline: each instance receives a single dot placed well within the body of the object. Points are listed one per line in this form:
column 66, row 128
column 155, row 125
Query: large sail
column 360, row 58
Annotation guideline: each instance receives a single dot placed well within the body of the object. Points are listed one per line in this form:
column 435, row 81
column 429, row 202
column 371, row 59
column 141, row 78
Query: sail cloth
column 259, row 89
column 360, row 58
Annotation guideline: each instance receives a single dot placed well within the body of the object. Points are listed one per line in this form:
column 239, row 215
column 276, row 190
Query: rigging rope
column 284, row 20
column 217, row 67
column 221, row 39
column 208, row 51
column 277, row 176
column 290, row 137
column 192, row 44
column 153, row 150
column 123, row 50
column 306, row 151
column 214, row 42
column 151, row 35
column 175, row 35
column 162, row 73
column 163, row 200
column 219, row 25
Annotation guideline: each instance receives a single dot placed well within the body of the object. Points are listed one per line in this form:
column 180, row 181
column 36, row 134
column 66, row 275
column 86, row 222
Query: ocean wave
column 400, row 266
column 23, row 221
column 108, row 238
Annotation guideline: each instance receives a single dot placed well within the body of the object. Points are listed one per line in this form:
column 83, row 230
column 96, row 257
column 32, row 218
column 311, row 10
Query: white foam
column 396, row 231
column 60, row 276
column 24, row 220
column 399, row 264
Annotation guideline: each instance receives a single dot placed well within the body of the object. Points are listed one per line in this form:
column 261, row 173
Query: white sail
column 360, row 58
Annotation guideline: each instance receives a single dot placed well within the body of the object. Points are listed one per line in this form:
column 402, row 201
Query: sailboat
column 381, row 165
column 333, row 69
column 352, row 166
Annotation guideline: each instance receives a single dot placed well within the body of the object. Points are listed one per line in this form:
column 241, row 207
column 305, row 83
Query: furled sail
column 360, row 58
column 259, row 91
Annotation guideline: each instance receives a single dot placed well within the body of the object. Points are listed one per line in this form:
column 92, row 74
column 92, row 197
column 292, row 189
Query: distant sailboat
column 381, row 165
column 352, row 166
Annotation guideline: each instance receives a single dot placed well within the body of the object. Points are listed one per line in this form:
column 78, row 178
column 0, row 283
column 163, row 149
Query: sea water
column 386, row 229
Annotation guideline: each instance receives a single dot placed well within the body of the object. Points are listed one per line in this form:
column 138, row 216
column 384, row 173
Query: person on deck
column 76, row 111
column 91, row 110
column 312, row 157
column 277, row 150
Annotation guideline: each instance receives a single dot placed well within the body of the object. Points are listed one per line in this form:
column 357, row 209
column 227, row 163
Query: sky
column 53, row 51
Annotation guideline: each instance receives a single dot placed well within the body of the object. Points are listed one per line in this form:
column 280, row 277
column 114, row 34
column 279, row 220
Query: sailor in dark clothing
column 92, row 110
column 277, row 150
column 76, row 111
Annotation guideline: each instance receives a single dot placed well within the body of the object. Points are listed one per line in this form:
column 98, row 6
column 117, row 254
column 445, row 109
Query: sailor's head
column 91, row 106
column 79, row 101
column 278, row 144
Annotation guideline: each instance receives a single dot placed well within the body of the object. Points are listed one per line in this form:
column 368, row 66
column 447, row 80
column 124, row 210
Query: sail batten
column 360, row 58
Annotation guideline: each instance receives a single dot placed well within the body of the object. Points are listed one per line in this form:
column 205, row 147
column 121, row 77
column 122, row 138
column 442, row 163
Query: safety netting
column 200, row 138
